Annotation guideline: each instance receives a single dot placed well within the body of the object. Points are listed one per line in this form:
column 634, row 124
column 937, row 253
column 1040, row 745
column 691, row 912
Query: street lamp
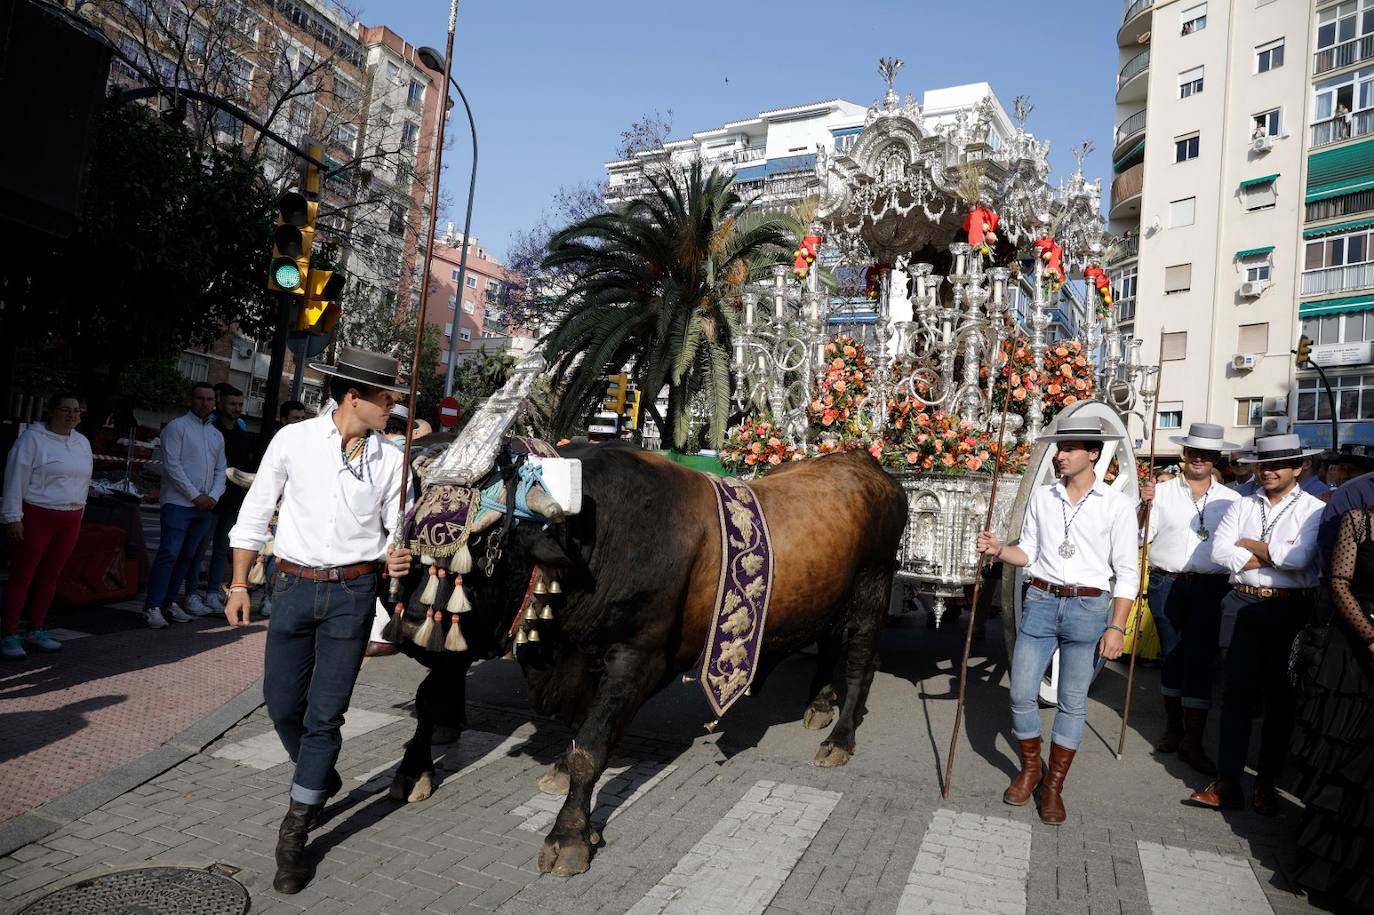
column 435, row 61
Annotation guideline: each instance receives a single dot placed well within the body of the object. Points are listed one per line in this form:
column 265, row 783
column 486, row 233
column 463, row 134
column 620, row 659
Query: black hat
column 375, row 369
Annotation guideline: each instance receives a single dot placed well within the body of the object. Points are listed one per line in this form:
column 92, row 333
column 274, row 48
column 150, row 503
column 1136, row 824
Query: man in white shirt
column 192, row 483
column 1268, row 542
column 1079, row 546
column 1186, row 587
column 339, row 486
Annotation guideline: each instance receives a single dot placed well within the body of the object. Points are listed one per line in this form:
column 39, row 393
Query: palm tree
column 657, row 286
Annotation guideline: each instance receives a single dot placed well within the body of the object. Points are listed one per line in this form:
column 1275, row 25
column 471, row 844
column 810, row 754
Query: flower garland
column 758, row 445
column 834, row 410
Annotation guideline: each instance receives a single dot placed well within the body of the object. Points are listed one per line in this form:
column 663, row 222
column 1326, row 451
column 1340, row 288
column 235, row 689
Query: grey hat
column 1080, row 429
column 375, row 369
column 400, row 411
column 1276, row 448
column 1204, row 437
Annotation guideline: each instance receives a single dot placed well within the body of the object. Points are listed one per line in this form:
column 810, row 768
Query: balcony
column 1343, row 127
column 1131, row 81
column 1128, row 132
column 1125, row 249
column 1136, row 22
column 748, row 154
column 1126, row 188
column 1343, row 55
column 1338, row 279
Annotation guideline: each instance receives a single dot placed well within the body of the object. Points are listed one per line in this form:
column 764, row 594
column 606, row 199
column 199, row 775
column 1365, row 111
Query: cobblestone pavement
column 737, row 821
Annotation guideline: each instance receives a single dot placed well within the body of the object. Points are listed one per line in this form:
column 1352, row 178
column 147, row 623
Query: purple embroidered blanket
column 735, row 638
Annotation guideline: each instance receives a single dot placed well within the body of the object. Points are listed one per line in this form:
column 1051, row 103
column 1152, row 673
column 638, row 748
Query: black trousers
column 1187, row 613
column 1255, row 681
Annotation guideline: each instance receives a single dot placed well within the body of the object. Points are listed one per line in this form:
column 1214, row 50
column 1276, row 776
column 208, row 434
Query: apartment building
column 1207, row 191
column 475, row 313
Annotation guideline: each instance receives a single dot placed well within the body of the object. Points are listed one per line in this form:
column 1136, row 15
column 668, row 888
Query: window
column 1190, row 82
column 1249, row 411
column 1253, row 338
column 1186, row 148
column 1170, row 415
column 1337, row 251
column 1344, row 205
column 493, row 289
column 1124, row 294
column 1267, row 124
column 1354, row 399
column 471, row 281
column 1194, row 19
column 1342, row 23
column 455, row 274
column 415, row 94
column 1175, row 347
column 443, row 356
column 448, row 329
column 1341, row 95
column 409, row 132
column 393, row 72
column 1269, row 56
column 1178, row 278
column 1182, row 212
column 1352, row 327
column 468, row 307
column 1260, row 196
column 464, row 334
column 397, row 223
column 453, row 301
column 1257, row 269
column 346, row 137
column 193, row 366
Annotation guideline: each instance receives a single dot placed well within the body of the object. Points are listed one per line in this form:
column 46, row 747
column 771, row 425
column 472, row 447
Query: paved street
column 737, row 821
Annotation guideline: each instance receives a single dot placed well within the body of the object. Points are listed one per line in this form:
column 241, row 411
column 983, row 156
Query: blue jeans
column 219, row 552
column 1187, row 613
column 182, row 538
column 315, row 642
column 1074, row 626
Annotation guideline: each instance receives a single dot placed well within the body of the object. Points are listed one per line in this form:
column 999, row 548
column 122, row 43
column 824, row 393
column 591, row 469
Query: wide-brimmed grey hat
column 1081, row 429
column 1204, row 437
column 376, row 369
column 1276, row 448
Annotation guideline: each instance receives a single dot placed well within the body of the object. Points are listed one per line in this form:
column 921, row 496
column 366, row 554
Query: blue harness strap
column 528, row 475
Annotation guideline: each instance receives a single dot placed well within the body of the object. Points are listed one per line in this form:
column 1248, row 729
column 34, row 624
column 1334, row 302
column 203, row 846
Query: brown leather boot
column 1032, row 771
column 1190, row 749
column 1051, row 792
column 1173, row 728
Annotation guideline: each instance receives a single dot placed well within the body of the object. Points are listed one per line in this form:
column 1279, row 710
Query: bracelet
column 238, row 584
column 1116, row 627
column 238, row 589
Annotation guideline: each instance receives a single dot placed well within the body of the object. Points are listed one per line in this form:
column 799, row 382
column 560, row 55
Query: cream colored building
column 1208, row 161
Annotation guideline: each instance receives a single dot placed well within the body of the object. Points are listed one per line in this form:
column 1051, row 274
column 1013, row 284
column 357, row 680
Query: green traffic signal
column 286, row 274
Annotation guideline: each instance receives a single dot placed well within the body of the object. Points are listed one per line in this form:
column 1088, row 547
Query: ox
column 638, row 567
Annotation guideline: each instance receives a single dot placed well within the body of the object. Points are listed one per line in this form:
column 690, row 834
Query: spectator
column 47, row 476
column 292, row 412
column 1311, row 477
column 192, row 483
column 238, row 454
column 1245, row 482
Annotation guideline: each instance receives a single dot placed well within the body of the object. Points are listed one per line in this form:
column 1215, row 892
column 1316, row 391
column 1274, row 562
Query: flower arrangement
column 759, row 446
column 834, row 409
column 936, row 441
column 1066, row 379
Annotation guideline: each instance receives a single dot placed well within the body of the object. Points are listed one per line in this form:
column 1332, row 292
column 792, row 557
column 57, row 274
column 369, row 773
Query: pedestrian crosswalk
column 969, row 863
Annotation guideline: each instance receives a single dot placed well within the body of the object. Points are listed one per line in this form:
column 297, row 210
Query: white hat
column 1080, row 429
column 1276, row 448
column 1204, row 437
column 400, row 411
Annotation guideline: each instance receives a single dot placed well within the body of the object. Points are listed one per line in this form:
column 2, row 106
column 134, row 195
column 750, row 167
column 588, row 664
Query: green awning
column 1339, row 189
column 1251, row 252
column 1340, row 171
column 1338, row 228
column 1336, row 306
column 1254, row 181
column 1120, row 166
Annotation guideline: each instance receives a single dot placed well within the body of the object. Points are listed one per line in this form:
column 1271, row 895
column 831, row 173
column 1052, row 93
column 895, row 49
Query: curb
column 47, row 818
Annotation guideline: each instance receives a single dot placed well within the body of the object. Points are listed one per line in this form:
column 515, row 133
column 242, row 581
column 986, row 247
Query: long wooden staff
column 1141, row 589
column 395, row 591
column 977, row 584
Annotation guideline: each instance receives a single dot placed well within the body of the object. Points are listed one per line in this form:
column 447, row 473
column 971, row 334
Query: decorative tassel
column 431, row 589
column 455, row 640
column 396, row 626
column 425, row 634
column 458, row 601
column 534, row 635
column 268, row 547
column 258, row 574
column 460, row 563
column 546, row 613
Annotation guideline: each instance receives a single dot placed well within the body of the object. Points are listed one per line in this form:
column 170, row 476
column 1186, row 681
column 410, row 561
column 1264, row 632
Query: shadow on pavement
column 23, row 732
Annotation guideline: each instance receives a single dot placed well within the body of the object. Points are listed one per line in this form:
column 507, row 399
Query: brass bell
column 534, row 635
column 546, row 613
column 521, row 638
column 539, row 586
column 555, row 587
column 531, row 613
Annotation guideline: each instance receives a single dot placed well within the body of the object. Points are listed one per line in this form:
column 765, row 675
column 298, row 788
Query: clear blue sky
column 553, row 84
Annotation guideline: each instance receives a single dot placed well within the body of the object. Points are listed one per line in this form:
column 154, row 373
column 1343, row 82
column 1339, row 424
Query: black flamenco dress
column 1334, row 739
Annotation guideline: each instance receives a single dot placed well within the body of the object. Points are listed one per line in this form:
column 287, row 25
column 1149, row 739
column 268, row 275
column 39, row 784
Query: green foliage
column 656, row 285
column 476, row 378
column 370, row 320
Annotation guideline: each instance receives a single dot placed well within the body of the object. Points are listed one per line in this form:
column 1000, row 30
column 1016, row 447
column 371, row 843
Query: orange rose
column 912, row 457
column 927, row 463
column 774, row 459
column 1019, row 394
column 1070, row 400
column 751, row 460
column 947, row 460
column 973, row 463
column 850, row 351
column 756, row 447
column 839, row 387
column 1061, row 351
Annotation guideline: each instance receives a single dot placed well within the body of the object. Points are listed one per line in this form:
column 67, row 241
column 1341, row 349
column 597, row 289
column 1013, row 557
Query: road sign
column 448, row 412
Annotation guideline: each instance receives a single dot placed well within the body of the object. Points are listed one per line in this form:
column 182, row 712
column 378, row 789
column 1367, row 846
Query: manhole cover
column 147, row 891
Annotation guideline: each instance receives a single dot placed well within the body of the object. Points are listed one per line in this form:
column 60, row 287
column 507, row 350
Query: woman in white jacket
column 47, row 476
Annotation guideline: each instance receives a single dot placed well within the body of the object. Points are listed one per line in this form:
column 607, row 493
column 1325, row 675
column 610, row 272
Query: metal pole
column 1330, row 402
column 467, row 230
column 286, row 319
column 395, row 589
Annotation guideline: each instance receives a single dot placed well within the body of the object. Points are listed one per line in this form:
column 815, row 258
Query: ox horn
column 540, row 502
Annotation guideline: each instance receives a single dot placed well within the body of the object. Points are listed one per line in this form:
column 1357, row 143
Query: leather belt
column 1256, row 591
column 1065, row 590
column 1177, row 575
column 329, row 573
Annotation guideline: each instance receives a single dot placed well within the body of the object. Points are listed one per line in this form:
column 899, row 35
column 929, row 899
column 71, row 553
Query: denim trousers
column 315, row 642
column 1255, row 681
column 219, row 552
column 1073, row 626
column 180, row 545
column 1187, row 613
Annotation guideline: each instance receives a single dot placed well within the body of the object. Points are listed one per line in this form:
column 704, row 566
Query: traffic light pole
column 1330, row 402
column 286, row 319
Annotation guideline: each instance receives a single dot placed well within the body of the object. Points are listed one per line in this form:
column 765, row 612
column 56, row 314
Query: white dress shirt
column 1292, row 539
column 1104, row 534
column 48, row 470
column 192, row 461
column 328, row 515
column 1174, row 523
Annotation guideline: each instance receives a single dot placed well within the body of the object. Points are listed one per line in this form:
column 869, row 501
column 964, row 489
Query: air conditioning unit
column 1262, row 144
column 1252, row 289
column 1276, row 405
column 1244, row 362
column 1274, row 425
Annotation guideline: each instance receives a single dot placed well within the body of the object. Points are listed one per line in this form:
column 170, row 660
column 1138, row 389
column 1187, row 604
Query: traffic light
column 1303, row 355
column 631, row 411
column 291, row 240
column 617, row 386
column 321, row 309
